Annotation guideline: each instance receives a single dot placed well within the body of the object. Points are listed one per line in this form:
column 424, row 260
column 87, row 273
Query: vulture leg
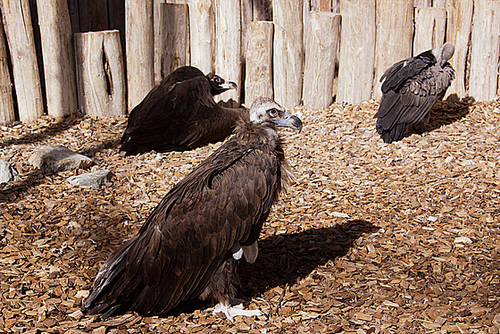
column 231, row 311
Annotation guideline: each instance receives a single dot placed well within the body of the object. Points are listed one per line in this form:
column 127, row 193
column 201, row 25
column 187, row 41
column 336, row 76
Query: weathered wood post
column 484, row 56
column 321, row 51
column 288, row 55
column 357, row 51
column 394, row 19
column 228, row 45
column 20, row 40
column 139, row 49
column 100, row 73
column 7, row 114
column 458, row 28
column 201, row 29
column 58, row 59
column 430, row 26
column 171, row 45
column 259, row 61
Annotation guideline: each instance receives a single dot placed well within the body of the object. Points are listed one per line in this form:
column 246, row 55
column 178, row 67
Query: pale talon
column 233, row 311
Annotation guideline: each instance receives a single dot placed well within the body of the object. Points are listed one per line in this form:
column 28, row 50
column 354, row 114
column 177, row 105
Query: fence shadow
column 51, row 130
column 441, row 114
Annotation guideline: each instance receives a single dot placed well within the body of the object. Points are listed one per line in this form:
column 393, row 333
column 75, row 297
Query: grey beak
column 289, row 121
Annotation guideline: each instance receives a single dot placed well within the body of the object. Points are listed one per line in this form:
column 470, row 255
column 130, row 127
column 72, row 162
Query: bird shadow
column 444, row 112
column 286, row 258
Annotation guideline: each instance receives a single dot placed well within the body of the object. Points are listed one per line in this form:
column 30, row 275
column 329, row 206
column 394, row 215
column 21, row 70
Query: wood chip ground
column 370, row 238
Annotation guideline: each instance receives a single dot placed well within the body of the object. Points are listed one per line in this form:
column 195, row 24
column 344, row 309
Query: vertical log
column 484, row 50
column 19, row 32
column 394, row 20
column 357, row 51
column 139, row 49
column 288, row 52
column 423, row 3
column 458, row 29
column 259, row 61
column 262, row 10
column 321, row 51
column 228, row 44
column 57, row 52
column 201, row 29
column 171, row 39
column 7, row 114
column 430, row 27
column 100, row 73
column 439, row 3
column 246, row 17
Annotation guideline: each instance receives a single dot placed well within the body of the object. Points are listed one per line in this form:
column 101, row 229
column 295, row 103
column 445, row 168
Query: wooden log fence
column 294, row 51
column 100, row 74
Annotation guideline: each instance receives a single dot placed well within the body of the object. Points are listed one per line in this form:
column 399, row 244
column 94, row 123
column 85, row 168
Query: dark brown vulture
column 410, row 89
column 180, row 114
column 188, row 247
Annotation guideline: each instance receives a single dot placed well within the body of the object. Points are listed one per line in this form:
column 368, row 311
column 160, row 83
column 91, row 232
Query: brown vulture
column 180, row 114
column 410, row 89
column 188, row 247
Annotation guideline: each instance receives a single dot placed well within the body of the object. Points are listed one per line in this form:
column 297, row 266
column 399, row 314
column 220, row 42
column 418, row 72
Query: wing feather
column 179, row 248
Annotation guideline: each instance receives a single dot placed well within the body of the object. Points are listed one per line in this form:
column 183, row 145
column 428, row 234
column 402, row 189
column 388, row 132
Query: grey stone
column 7, row 172
column 53, row 159
column 93, row 179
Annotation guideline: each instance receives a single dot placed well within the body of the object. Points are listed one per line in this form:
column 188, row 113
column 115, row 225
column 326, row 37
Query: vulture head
column 219, row 85
column 266, row 110
column 444, row 54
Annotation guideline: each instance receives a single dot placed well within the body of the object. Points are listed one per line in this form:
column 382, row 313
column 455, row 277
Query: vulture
column 188, row 247
column 180, row 114
column 410, row 88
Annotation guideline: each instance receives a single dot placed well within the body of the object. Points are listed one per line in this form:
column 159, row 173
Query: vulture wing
column 183, row 118
column 222, row 203
column 410, row 89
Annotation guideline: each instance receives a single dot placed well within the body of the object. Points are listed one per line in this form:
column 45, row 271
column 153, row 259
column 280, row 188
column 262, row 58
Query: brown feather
column 180, row 114
column 182, row 250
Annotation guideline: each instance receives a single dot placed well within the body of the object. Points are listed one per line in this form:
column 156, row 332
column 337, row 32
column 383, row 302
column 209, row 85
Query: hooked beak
column 229, row 85
column 289, row 121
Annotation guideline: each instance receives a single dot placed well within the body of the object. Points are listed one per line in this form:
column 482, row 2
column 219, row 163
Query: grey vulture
column 181, row 114
column 410, row 88
column 189, row 246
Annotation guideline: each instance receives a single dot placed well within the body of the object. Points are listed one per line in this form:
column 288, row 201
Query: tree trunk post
column 7, row 113
column 100, row 73
column 394, row 19
column 458, row 29
column 139, row 49
column 259, row 61
column 20, row 40
column 484, row 56
column 357, row 51
column 321, row 51
column 430, row 26
column 228, row 45
column 288, row 52
column 58, row 59
column 201, row 29
column 171, row 39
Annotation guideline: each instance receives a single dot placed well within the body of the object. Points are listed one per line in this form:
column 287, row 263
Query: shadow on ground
column 441, row 114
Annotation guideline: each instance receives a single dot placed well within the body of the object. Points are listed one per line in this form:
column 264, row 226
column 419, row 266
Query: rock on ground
column 94, row 179
column 53, row 159
column 7, row 172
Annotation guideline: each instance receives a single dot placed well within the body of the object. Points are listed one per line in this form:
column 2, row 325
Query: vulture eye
column 218, row 80
column 273, row 112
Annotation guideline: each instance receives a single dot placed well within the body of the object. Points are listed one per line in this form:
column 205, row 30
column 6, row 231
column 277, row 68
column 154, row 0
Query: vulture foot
column 234, row 308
